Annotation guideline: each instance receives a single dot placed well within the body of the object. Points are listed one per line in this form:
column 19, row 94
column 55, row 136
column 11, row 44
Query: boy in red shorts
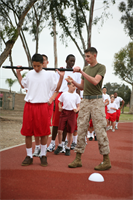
column 111, row 114
column 70, row 107
column 38, row 83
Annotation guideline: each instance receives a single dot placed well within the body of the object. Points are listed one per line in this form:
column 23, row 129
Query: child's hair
column 37, row 58
column 92, row 50
column 70, row 55
column 45, row 56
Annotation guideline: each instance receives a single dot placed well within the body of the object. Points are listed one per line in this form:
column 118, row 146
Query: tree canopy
column 122, row 90
column 123, row 63
column 127, row 17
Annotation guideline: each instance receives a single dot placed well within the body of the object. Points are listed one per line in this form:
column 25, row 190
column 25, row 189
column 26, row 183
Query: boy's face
column 104, row 90
column 37, row 66
column 45, row 62
column 71, row 61
column 72, row 87
column 112, row 99
column 90, row 58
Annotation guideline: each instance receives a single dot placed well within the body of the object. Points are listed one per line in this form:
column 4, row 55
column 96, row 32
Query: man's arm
column 123, row 102
column 94, row 80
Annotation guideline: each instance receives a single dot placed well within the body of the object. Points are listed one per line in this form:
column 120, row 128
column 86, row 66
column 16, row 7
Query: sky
column 108, row 40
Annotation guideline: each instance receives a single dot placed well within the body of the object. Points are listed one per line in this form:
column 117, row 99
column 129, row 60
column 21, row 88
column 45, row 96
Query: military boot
column 106, row 164
column 77, row 162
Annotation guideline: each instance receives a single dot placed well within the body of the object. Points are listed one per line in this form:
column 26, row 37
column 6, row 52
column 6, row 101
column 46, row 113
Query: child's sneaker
column 51, row 147
column 113, row 130
column 58, row 150
column 67, row 152
column 116, row 127
column 27, row 161
column 43, row 161
column 107, row 128
column 36, row 152
column 73, row 145
column 63, row 149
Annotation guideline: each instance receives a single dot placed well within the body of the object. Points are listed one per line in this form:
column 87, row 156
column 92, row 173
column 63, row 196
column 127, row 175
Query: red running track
column 57, row 181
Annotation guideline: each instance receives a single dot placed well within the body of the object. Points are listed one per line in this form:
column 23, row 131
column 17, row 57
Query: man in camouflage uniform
column 91, row 106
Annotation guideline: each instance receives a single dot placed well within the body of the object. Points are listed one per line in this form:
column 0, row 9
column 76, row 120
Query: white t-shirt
column 111, row 105
column 39, row 85
column 105, row 96
column 117, row 101
column 76, row 77
column 69, row 100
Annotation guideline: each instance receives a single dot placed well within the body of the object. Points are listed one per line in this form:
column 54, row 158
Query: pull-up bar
column 30, row 68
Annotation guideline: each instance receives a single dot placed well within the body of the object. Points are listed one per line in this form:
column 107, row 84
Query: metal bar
column 29, row 68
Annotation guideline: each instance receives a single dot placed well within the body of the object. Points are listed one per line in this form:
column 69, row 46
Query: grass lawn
column 126, row 117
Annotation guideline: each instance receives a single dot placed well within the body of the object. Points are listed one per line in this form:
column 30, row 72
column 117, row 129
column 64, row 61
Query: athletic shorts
column 50, row 112
column 90, row 123
column 68, row 120
column 111, row 117
column 35, row 120
column 56, row 113
column 76, row 122
column 118, row 112
column 106, row 110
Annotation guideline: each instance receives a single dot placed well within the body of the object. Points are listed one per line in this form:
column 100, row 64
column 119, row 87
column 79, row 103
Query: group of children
column 112, row 109
column 48, row 96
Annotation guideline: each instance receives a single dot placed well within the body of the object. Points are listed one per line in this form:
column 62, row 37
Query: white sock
column 43, row 150
column 63, row 143
column 116, row 124
column 67, row 147
column 29, row 152
column 60, row 145
column 92, row 135
column 53, row 142
column 37, row 146
column 88, row 134
column 66, row 139
column 93, row 132
column 75, row 139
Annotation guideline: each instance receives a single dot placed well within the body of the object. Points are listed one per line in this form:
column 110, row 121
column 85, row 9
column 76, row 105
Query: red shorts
column 118, row 112
column 76, row 122
column 35, row 120
column 106, row 110
column 111, row 117
column 56, row 113
column 68, row 120
column 90, row 123
column 50, row 112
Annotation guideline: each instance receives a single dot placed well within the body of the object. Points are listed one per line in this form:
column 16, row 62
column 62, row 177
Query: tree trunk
column 55, row 42
column 10, row 43
column 90, row 23
column 131, row 102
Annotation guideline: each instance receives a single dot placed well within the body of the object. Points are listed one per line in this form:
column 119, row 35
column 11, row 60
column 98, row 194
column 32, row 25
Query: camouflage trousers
column 95, row 109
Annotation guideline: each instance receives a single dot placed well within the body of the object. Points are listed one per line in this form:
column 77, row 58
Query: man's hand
column 77, row 69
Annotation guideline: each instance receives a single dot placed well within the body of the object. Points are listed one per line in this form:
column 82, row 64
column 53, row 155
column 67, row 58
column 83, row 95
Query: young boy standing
column 38, row 83
column 70, row 107
column 111, row 114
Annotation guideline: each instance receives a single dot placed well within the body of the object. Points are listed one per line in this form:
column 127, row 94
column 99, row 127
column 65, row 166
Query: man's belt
column 92, row 96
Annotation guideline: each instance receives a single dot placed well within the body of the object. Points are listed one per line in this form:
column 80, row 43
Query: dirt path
column 10, row 126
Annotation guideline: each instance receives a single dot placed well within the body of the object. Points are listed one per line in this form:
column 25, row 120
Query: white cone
column 96, row 177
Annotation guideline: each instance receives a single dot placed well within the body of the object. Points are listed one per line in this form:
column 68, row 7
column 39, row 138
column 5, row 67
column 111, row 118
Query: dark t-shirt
column 89, row 88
